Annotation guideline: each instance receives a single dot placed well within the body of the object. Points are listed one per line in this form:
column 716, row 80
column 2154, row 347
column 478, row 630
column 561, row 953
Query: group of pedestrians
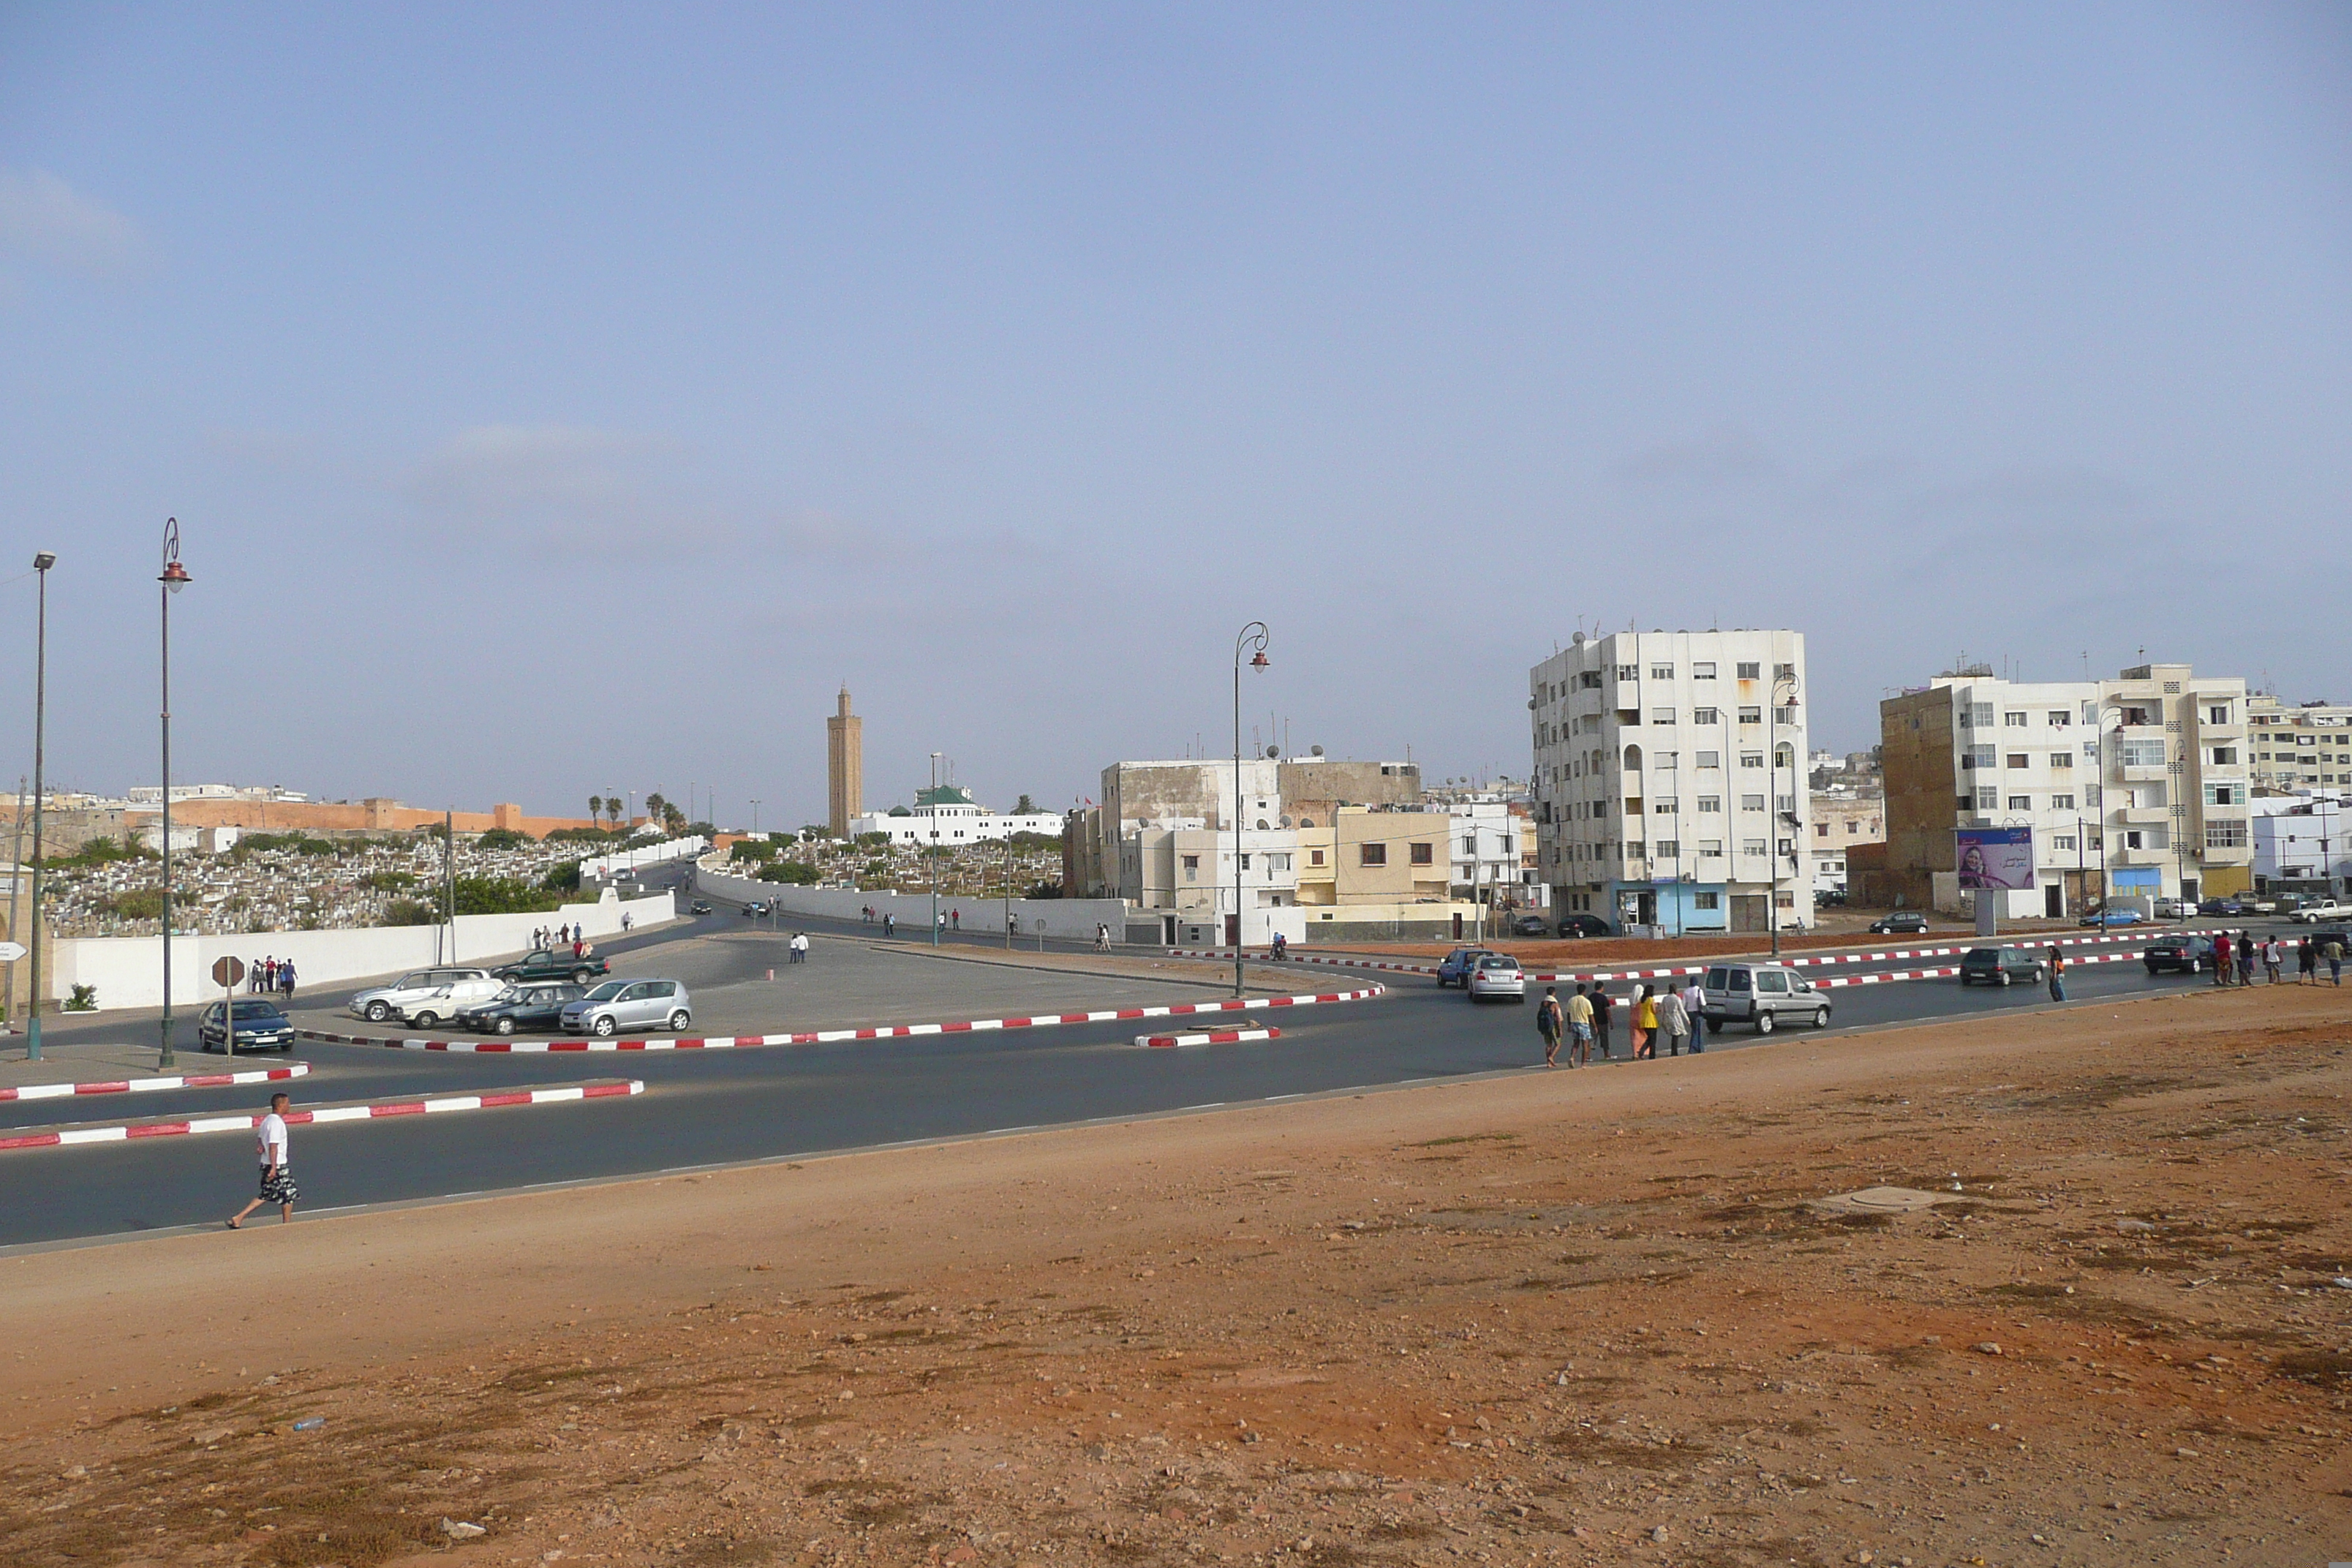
column 559, row 936
column 270, row 977
column 1676, row 1019
column 798, row 947
column 2233, row 963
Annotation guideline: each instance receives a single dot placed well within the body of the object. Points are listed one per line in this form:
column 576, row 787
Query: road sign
column 10, row 951
column 227, row 972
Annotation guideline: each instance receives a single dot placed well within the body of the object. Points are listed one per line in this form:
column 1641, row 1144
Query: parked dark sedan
column 2179, row 955
column 1583, row 926
column 1903, row 922
column 527, row 1006
column 260, row 1026
column 1530, row 925
column 2220, row 907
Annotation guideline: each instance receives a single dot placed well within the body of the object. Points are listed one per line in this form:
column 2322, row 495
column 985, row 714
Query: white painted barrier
column 128, row 970
column 1074, row 919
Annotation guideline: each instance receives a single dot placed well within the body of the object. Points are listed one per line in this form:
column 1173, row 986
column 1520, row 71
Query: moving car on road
column 661, row 1006
column 2000, row 966
column 1455, row 968
column 1903, row 922
column 2179, row 955
column 438, row 992
column 2313, row 914
column 533, row 1004
column 553, row 964
column 699, row 907
column 756, row 909
column 1575, row 926
column 1762, row 994
column 1498, row 975
column 260, row 1026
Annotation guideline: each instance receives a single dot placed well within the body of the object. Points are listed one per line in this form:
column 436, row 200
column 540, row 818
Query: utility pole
column 17, row 899
column 449, row 873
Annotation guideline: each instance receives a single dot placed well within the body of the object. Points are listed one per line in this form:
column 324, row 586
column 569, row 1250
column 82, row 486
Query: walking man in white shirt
column 277, row 1176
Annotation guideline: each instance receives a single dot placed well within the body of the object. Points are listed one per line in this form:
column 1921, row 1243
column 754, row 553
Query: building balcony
column 2145, row 773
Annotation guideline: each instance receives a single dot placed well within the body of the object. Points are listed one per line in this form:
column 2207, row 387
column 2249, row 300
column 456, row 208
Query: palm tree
column 656, row 809
column 595, row 807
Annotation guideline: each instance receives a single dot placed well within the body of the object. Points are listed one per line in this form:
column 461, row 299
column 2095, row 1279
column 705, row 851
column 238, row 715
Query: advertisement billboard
column 1996, row 856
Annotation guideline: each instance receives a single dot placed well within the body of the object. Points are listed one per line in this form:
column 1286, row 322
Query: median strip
column 149, row 1085
column 1211, row 1038
column 375, row 1110
column 834, row 1037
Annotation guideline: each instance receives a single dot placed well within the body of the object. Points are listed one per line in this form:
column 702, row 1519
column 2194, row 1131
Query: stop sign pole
column 227, row 973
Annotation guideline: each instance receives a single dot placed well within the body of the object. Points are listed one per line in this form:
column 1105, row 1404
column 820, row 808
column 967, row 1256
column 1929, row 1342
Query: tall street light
column 173, row 577
column 934, row 856
column 1253, row 639
column 42, row 562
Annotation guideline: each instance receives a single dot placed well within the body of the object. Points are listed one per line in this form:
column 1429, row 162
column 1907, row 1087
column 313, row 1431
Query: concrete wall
column 604, row 868
column 128, row 970
column 1072, row 918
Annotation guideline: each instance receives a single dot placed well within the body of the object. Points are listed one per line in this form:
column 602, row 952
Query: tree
column 596, row 808
column 1024, row 806
column 613, row 809
column 656, row 809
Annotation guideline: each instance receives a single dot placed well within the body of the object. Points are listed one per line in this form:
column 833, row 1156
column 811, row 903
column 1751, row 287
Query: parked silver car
column 1763, row 995
column 659, row 1006
column 425, row 997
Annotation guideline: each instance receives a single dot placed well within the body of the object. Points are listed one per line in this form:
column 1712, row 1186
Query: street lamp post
column 42, row 562
column 755, row 816
column 173, row 577
column 1253, row 638
column 934, row 856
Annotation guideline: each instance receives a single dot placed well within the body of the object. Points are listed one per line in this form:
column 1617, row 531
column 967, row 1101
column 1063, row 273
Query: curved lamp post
column 173, row 577
column 42, row 562
column 1253, row 640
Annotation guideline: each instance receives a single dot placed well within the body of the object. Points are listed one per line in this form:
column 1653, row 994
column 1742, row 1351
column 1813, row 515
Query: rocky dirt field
column 1601, row 1315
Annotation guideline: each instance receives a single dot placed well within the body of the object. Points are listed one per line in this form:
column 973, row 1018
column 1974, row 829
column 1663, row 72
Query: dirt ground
column 1583, row 1317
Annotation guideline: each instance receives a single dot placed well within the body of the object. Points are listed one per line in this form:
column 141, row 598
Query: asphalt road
column 706, row 1107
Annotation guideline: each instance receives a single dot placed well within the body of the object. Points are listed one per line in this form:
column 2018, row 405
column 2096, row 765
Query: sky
column 567, row 400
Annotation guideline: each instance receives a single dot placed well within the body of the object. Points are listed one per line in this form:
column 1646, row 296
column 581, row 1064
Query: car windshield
column 258, row 1009
column 606, row 992
column 1982, row 955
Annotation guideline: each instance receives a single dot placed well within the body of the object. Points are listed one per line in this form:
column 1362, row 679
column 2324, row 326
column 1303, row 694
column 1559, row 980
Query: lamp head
column 1259, row 661
column 43, row 560
column 175, row 576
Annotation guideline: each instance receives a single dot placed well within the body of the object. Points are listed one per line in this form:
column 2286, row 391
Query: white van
column 1761, row 994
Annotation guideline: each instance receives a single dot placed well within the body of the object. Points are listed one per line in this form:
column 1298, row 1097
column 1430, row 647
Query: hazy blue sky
column 556, row 398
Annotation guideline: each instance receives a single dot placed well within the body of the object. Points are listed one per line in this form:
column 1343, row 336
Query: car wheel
column 680, row 1021
column 604, row 1026
column 506, row 1025
column 1521, row 999
column 1964, row 980
column 2151, row 969
column 2005, row 977
column 422, row 1020
column 1821, row 1018
column 1765, row 1023
column 377, row 1012
column 580, row 977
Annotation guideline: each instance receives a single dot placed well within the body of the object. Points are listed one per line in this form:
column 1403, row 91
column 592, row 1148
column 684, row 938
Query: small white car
column 1497, row 974
column 426, row 997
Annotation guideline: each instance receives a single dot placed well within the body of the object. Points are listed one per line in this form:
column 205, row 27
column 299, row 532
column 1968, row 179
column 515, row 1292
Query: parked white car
column 2326, row 910
column 426, row 997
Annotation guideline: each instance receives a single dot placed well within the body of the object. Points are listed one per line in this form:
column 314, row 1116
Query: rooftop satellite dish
column 1284, row 819
column 1578, row 639
column 1315, row 751
column 1274, row 750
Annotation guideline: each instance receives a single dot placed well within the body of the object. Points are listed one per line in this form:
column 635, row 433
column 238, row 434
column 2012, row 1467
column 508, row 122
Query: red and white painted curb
column 1212, row 1037
column 244, row 1122
column 830, row 1037
column 146, row 1085
column 1226, row 955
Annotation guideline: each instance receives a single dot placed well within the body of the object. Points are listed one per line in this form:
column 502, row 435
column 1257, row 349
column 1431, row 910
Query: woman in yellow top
column 1645, row 1024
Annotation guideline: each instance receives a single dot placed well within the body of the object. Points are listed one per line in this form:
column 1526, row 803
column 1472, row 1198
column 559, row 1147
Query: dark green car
column 555, row 964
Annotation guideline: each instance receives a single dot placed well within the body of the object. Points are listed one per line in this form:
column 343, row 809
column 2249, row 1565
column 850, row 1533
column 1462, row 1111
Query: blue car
column 260, row 1026
column 1456, row 967
column 2112, row 918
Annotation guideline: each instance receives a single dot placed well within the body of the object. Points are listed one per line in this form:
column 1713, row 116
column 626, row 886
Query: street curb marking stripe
column 1212, row 1037
column 123, row 1131
column 147, row 1085
column 832, row 1036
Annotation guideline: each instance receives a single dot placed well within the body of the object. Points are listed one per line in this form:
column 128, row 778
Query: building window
column 1749, row 670
column 1245, row 862
column 1707, row 803
column 1422, row 855
column 1821, row 829
column 1751, row 715
column 1277, row 863
column 2021, row 802
column 1785, row 900
column 2019, row 760
column 1751, row 846
column 1751, row 759
column 1706, row 900
column 1371, row 853
column 2063, row 841
column 1629, row 672
column 1589, row 680
column 1710, row 847
column 1707, row 715
column 1710, row 759
column 1192, row 867
column 2225, row 756
column 2218, row 714
column 2013, row 719
column 2138, row 715
column 1662, row 715
column 1702, row 670
column 1751, row 802
column 2059, row 717
column 2225, row 834
column 2143, row 753
column 1668, row 849
column 2061, row 802
column 1315, row 857
column 1784, row 671
column 1662, row 672
column 2061, row 760
column 1988, row 800
column 2225, row 795
column 1665, row 807
column 1976, row 757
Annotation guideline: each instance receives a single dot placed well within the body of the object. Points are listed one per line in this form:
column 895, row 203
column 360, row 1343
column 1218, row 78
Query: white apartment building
column 1669, row 785
column 2308, row 747
column 2301, row 839
column 946, row 815
column 2133, row 788
column 1492, row 853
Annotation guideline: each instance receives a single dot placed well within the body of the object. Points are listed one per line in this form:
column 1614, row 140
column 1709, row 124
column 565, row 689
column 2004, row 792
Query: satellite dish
column 1274, row 750
column 1284, row 820
column 1315, row 751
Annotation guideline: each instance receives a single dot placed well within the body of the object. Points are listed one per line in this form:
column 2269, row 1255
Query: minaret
column 844, row 755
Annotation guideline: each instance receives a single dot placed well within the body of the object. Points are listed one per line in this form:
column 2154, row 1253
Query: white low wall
column 1071, row 918
column 603, row 868
column 128, row 970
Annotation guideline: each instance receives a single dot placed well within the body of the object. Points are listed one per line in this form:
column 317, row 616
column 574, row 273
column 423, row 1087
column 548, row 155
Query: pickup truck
column 2313, row 914
column 553, row 964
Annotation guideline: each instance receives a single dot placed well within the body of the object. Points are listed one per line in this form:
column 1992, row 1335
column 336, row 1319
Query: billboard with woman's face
column 1996, row 856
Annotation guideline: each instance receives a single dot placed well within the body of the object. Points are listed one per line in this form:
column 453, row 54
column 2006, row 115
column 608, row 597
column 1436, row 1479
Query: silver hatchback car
column 659, row 1006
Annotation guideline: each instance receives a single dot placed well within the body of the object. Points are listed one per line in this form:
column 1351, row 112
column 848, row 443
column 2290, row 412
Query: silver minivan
column 1763, row 995
column 661, row 1006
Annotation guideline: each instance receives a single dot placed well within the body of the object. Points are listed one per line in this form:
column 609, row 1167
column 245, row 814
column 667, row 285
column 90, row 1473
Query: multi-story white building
column 946, row 815
column 2308, row 747
column 2300, row 840
column 1669, row 785
column 1494, row 853
column 2135, row 787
